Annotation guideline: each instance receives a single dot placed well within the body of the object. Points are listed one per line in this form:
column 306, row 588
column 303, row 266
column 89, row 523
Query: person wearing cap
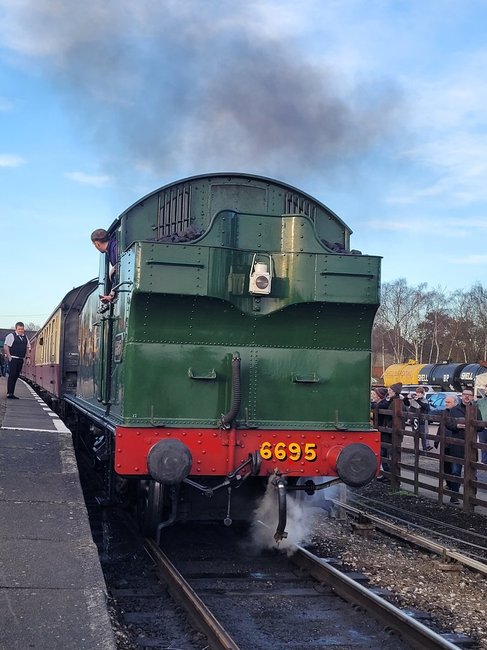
column 377, row 395
column 394, row 390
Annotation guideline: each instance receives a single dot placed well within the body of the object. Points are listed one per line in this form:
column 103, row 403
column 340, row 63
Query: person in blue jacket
column 106, row 244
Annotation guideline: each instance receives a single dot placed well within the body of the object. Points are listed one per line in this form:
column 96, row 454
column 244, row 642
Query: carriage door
column 105, row 340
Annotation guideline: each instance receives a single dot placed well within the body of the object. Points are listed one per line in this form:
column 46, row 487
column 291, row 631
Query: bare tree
column 476, row 308
column 399, row 316
column 430, row 326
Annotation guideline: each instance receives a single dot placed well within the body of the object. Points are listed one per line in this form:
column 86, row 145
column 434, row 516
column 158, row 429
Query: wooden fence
column 425, row 470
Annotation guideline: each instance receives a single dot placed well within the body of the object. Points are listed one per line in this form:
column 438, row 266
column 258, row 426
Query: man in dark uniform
column 16, row 348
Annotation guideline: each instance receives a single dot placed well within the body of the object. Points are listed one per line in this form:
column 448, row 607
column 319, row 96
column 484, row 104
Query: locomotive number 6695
column 292, row 451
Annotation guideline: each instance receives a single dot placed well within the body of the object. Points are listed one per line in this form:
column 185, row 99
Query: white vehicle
column 480, row 385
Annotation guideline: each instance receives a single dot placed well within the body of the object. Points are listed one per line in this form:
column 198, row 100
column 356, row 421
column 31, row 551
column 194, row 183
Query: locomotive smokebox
column 169, row 461
column 355, row 464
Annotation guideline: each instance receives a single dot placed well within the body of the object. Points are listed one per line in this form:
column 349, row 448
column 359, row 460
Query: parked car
column 412, row 388
column 437, row 402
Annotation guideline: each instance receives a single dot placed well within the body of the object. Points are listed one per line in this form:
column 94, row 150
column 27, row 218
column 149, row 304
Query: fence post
column 397, row 435
column 441, row 459
column 470, row 457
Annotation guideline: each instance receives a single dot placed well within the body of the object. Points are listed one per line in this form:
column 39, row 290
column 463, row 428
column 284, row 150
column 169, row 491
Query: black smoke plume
column 196, row 86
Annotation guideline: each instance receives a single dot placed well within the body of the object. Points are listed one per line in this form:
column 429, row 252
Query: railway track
column 242, row 604
column 207, row 588
column 226, row 595
column 277, row 584
column 464, row 534
column 404, row 622
column 402, row 532
column 200, row 615
column 419, row 561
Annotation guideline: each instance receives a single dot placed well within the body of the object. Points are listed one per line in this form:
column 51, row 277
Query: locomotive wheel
column 150, row 497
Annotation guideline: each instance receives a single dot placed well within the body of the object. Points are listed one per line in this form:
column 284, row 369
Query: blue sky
column 377, row 108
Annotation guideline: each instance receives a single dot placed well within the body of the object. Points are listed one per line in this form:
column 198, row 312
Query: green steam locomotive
column 224, row 360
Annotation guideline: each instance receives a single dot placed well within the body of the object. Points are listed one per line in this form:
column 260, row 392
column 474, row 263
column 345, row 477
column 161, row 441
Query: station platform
column 52, row 589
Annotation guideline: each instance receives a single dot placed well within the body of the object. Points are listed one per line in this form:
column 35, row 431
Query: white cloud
column 456, row 98
column 90, row 179
column 451, row 169
column 9, row 160
column 447, row 126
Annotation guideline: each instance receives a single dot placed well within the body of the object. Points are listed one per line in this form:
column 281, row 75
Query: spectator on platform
column 376, row 396
column 16, row 348
column 378, row 401
column 419, row 406
column 450, row 403
column 393, row 393
column 455, row 428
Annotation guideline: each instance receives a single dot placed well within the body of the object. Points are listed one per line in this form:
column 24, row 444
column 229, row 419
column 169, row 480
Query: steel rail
column 418, row 635
column 363, row 501
column 200, row 615
column 412, row 631
column 418, row 540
